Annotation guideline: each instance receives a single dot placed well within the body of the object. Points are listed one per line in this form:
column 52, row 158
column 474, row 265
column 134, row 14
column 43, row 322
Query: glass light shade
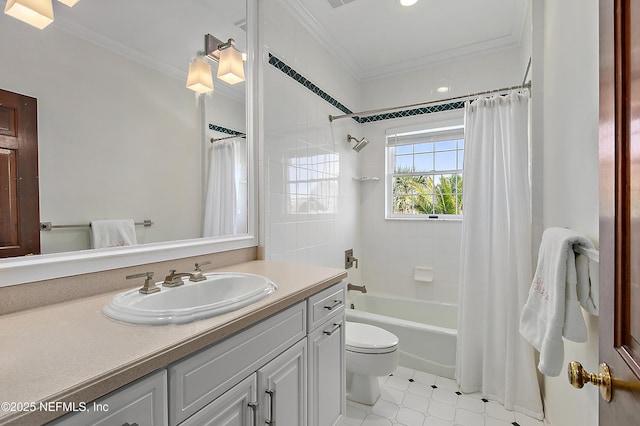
column 69, row 3
column 199, row 79
column 230, row 67
column 408, row 2
column 38, row 13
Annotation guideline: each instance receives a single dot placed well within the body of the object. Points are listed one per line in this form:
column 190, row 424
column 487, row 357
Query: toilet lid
column 368, row 338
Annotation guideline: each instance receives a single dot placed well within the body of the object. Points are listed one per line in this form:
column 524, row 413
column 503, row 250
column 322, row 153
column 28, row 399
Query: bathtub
column 427, row 330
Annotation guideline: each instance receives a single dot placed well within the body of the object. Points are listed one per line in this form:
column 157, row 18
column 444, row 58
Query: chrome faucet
column 149, row 286
column 174, row 279
column 197, row 273
column 360, row 288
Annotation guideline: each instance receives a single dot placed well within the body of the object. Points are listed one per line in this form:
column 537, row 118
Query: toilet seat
column 369, row 339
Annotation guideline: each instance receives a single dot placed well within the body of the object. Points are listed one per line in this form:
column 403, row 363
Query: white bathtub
column 427, row 330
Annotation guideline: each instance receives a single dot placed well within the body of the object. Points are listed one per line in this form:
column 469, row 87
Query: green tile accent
column 286, row 69
column 223, row 130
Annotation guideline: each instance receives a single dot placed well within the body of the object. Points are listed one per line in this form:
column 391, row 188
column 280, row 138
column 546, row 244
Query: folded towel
column 112, row 233
column 552, row 309
column 588, row 283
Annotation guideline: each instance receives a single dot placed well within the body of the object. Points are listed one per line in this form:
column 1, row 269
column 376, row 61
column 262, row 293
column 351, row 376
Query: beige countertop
column 71, row 352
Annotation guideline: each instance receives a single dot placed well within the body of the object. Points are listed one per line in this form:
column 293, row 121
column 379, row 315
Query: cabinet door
column 282, row 388
column 236, row 407
column 327, row 373
column 142, row 403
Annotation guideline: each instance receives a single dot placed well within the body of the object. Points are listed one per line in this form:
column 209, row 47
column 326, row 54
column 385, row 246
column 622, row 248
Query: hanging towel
column 112, row 233
column 552, row 309
column 588, row 284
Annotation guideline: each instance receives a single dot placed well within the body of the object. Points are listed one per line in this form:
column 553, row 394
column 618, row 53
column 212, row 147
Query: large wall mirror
column 119, row 134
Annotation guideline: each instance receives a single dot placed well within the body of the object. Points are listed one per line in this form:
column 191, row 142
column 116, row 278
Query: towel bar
column 48, row 226
column 590, row 253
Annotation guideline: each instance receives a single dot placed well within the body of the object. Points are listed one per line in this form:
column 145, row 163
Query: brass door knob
column 578, row 377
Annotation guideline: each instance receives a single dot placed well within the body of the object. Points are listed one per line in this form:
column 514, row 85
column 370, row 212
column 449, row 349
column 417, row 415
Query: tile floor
column 415, row 398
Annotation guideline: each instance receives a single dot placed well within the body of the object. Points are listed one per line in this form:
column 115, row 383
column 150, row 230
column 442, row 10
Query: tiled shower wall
column 311, row 200
column 314, row 208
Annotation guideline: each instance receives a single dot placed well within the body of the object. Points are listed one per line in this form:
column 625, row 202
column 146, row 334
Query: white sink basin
column 219, row 293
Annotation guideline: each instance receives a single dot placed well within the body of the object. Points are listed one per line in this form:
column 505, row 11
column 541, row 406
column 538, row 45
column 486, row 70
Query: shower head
column 359, row 143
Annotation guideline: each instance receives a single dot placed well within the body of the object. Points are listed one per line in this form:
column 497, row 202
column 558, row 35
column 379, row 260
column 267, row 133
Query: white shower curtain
column 496, row 262
column 220, row 209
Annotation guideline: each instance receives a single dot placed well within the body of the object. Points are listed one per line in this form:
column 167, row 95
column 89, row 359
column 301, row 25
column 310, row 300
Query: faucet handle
column 199, row 264
column 149, row 286
column 197, row 273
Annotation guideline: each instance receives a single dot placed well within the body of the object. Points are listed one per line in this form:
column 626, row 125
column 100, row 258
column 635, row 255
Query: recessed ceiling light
column 408, row 2
column 443, row 89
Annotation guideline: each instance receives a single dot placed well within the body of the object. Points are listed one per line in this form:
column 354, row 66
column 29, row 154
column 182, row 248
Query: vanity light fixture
column 38, row 13
column 230, row 65
column 199, row 79
column 69, row 3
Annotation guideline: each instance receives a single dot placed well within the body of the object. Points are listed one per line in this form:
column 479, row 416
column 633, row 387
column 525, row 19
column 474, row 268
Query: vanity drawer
column 143, row 402
column 325, row 304
column 199, row 379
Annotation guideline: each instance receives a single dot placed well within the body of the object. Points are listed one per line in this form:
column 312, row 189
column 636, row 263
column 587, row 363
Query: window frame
column 454, row 127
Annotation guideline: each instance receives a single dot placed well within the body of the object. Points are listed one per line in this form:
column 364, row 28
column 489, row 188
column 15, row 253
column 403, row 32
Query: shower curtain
column 496, row 262
column 220, row 209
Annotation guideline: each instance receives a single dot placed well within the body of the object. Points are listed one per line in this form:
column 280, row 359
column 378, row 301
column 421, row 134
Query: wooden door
column 620, row 207
column 19, row 195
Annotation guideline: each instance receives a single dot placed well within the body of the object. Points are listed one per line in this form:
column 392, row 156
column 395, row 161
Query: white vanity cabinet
column 326, row 400
column 199, row 379
column 142, row 403
column 287, row 370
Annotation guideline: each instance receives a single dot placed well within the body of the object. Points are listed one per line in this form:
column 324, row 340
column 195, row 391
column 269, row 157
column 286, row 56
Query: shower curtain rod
column 239, row 135
column 439, row 101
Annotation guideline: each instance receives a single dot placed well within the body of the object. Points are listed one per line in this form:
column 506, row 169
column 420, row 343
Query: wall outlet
column 348, row 259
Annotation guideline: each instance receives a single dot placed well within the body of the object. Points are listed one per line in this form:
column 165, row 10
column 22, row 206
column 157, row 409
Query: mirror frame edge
column 26, row 269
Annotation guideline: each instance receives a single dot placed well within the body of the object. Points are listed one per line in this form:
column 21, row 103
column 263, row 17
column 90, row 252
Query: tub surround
column 71, row 352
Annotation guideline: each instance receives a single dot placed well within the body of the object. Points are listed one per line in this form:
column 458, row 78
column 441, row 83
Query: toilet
column 370, row 352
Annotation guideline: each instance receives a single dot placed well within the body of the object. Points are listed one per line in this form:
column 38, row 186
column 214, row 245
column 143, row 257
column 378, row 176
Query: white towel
column 112, row 233
column 588, row 283
column 552, row 309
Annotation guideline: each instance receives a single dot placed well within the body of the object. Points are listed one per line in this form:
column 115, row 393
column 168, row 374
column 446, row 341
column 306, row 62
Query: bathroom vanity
column 278, row 360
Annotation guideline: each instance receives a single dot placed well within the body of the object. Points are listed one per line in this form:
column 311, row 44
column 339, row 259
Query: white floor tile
column 415, row 402
column 415, row 398
column 373, row 420
column 468, row 418
column 409, row 417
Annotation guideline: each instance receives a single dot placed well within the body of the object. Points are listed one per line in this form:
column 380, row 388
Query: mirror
column 119, row 134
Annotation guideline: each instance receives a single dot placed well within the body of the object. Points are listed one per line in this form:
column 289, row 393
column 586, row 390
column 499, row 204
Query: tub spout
column 360, row 288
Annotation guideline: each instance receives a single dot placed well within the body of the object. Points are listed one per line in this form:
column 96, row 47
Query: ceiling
column 372, row 38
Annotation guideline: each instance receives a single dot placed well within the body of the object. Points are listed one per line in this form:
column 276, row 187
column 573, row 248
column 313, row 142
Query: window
column 424, row 173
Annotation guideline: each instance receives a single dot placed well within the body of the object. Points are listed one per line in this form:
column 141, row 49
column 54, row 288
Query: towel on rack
column 113, row 233
column 588, row 284
column 552, row 309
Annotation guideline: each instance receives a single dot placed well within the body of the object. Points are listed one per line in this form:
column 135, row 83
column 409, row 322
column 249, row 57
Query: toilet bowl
column 370, row 352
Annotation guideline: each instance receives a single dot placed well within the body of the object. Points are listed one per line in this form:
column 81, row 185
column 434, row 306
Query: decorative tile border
column 224, row 130
column 306, row 83
column 280, row 65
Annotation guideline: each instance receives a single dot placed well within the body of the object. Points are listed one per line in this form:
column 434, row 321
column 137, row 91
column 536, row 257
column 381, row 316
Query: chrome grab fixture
column 360, row 288
column 197, row 273
column 149, row 286
column 272, row 396
column 174, row 279
column 349, row 259
column 336, row 327
column 578, row 377
column 336, row 304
